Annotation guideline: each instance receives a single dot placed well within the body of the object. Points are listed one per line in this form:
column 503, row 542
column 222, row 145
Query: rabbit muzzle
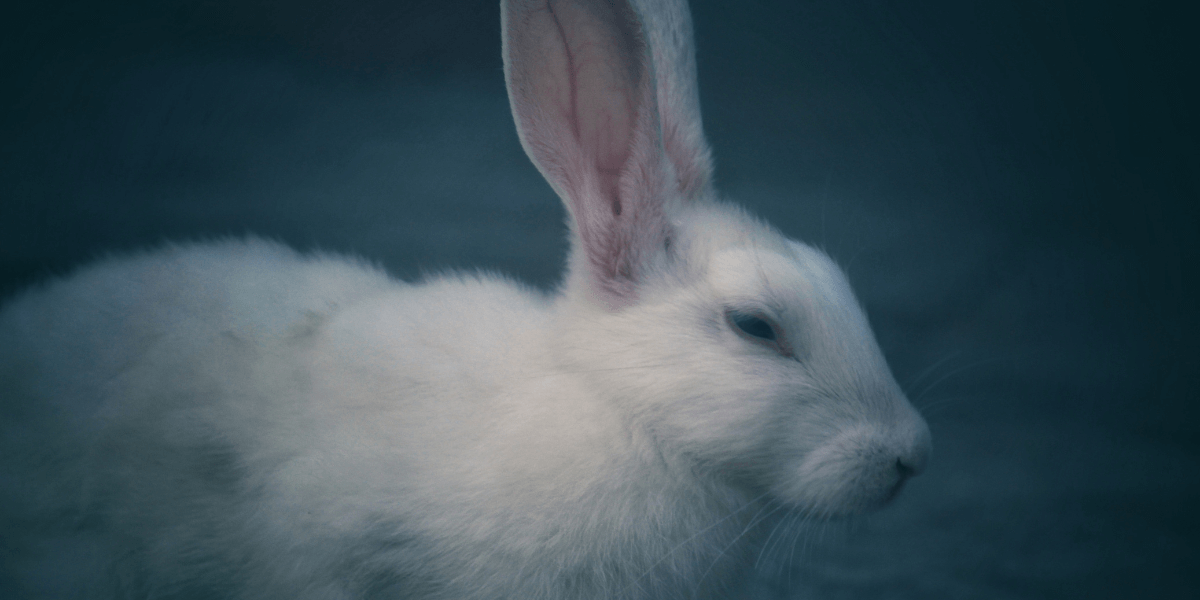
column 859, row 468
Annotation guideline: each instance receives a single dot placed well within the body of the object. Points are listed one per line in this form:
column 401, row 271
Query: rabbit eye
column 760, row 329
column 752, row 325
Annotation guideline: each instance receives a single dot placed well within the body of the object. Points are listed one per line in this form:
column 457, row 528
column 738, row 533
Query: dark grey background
column 1012, row 188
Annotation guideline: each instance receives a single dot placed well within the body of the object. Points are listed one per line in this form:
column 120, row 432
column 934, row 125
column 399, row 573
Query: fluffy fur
column 233, row 419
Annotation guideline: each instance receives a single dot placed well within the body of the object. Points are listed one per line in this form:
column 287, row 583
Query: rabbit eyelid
column 757, row 327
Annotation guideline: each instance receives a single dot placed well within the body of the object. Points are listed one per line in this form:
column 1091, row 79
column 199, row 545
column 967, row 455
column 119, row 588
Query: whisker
column 789, row 564
column 753, row 522
column 802, row 533
column 927, row 371
column 933, row 408
column 953, row 373
column 698, row 534
column 797, row 519
column 767, row 543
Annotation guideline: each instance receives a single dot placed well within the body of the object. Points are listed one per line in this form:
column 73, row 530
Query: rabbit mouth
column 895, row 491
column 848, row 499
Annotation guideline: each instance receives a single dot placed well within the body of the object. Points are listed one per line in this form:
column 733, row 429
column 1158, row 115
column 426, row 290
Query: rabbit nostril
column 904, row 470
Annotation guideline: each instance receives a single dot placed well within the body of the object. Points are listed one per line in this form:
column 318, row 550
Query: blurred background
column 1012, row 188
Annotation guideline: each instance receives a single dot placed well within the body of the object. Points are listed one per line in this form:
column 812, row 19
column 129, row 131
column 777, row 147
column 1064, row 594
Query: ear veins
column 607, row 134
column 572, row 86
column 582, row 86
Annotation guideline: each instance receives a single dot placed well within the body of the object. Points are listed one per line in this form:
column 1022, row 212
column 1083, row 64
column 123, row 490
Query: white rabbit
column 236, row 420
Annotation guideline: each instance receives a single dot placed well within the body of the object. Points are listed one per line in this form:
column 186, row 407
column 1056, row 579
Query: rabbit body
column 234, row 419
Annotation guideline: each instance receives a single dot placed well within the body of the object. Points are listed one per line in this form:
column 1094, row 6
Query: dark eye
column 760, row 329
column 752, row 325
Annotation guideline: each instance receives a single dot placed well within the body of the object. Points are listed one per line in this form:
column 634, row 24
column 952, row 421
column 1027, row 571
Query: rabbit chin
column 852, row 473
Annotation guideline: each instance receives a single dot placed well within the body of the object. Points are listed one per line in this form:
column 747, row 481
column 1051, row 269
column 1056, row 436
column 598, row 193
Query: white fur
column 233, row 419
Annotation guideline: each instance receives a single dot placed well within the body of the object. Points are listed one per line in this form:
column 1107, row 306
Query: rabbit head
column 734, row 349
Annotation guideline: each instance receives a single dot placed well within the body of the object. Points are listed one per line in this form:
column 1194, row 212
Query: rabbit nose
column 911, row 460
column 910, row 464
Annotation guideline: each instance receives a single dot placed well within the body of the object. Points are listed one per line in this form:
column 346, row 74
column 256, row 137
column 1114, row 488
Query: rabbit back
column 180, row 415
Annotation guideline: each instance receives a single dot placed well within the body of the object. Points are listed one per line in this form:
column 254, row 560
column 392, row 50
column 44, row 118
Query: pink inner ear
column 599, row 70
column 583, row 98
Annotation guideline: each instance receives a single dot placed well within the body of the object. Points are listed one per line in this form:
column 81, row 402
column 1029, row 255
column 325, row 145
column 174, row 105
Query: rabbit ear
column 668, row 26
column 581, row 86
